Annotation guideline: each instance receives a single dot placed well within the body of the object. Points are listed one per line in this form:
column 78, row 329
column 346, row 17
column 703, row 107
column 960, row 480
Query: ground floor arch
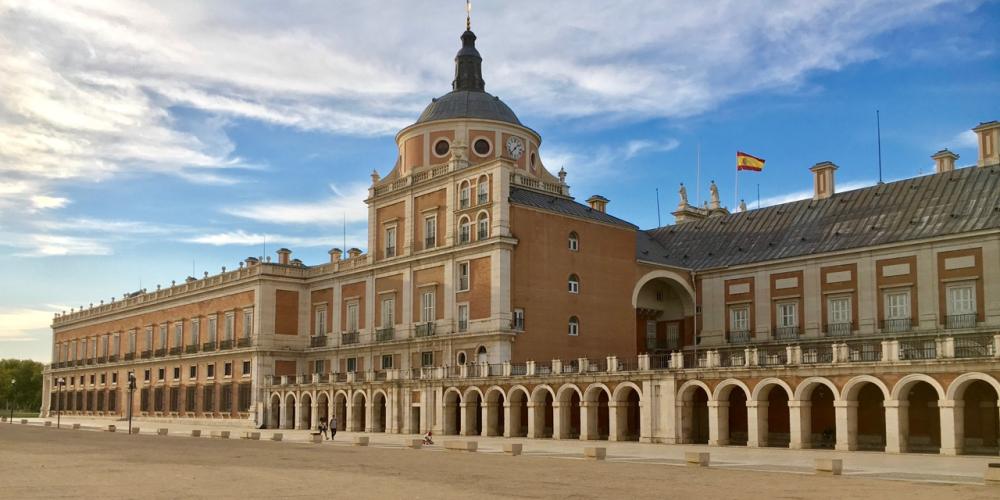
column 517, row 409
column 274, row 413
column 452, row 412
column 692, row 405
column 542, row 421
column 627, row 417
column 379, row 412
column 359, row 412
column 496, row 418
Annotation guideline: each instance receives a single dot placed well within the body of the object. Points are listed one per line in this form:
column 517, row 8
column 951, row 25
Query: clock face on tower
column 515, row 147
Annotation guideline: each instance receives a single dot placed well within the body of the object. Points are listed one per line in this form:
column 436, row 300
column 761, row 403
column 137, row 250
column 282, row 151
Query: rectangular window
column 177, row 373
column 463, row 276
column 247, row 323
column 387, row 361
column 673, row 336
column 149, row 339
column 193, row 372
column 318, row 366
column 352, row 364
column 213, row 329
column 146, row 375
column 226, row 399
column 482, row 192
column 427, row 358
column 430, row 231
column 352, row 317
column 463, row 196
column 227, row 370
column 210, row 370
column 739, row 319
column 390, row 241
column 189, row 398
column 114, row 377
column 650, row 334
column 208, row 399
column 518, row 319
column 961, row 300
column 897, row 305
column 788, row 314
column 131, row 341
column 228, row 333
column 163, row 336
column 320, row 321
column 388, row 312
column 195, row 332
column 116, row 344
column 178, row 334
column 838, row 310
column 246, row 368
column 161, row 374
column 427, row 313
column 243, row 397
column 104, row 345
column 463, row 317
column 104, row 378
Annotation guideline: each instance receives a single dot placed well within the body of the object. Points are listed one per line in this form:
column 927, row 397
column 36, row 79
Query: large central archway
column 664, row 311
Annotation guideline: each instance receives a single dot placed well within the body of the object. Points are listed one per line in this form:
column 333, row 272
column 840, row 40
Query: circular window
column 461, row 358
column 441, row 147
column 482, row 147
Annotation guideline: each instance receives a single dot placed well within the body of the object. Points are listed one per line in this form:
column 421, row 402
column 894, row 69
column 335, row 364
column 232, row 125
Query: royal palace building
column 490, row 302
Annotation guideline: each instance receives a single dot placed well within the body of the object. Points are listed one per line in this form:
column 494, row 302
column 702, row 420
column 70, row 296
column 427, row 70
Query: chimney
column 944, row 161
column 335, row 255
column 598, row 202
column 823, row 179
column 354, row 252
column 296, row 263
column 252, row 261
column 283, row 255
column 988, row 138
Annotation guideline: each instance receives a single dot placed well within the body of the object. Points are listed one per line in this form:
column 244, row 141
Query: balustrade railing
column 208, row 346
column 772, row 356
column 732, row 359
column 817, row 354
column 191, row 349
column 864, row 352
column 244, row 342
column 917, row 350
column 225, row 344
column 518, row 369
column 496, row 369
column 980, row 346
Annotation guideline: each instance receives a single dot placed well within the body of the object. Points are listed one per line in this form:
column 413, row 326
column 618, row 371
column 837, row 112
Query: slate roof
column 468, row 104
column 563, row 206
column 949, row 203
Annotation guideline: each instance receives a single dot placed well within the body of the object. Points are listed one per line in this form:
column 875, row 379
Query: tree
column 26, row 393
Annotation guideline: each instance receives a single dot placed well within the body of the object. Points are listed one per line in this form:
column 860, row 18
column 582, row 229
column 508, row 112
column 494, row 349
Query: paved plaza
column 45, row 462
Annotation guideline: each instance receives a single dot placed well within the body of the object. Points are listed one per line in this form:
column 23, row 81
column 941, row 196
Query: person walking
column 333, row 427
column 322, row 429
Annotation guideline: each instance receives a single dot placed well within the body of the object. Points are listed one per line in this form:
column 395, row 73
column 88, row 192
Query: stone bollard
column 48, row 423
column 468, row 446
column 316, row 438
column 24, row 421
column 219, row 434
column 696, row 458
column 76, row 427
column 135, row 430
column 360, row 441
column 253, row 436
column 992, row 475
column 111, row 428
column 162, row 431
column 3, row 419
column 277, row 436
column 414, row 444
column 595, row 452
column 512, row 449
column 196, row 433
column 829, row 466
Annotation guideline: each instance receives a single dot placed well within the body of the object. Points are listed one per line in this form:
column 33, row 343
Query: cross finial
column 468, row 15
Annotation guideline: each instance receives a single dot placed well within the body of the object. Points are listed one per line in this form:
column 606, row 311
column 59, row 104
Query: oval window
column 482, row 147
column 532, row 163
column 441, row 147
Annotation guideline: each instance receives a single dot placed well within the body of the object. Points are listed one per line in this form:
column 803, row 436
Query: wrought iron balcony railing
column 424, row 329
column 786, row 332
column 896, row 325
column 739, row 337
column 317, row 341
column 384, row 334
column 349, row 338
column 839, row 329
column 960, row 321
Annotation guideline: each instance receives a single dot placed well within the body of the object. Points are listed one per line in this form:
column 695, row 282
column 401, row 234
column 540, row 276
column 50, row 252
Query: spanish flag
column 748, row 162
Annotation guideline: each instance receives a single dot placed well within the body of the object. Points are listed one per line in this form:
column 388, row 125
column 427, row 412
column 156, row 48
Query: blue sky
column 139, row 140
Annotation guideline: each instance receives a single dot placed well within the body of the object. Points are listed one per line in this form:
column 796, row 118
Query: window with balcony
column 838, row 316
column 463, row 317
column 352, row 316
column 318, row 366
column 574, row 283
column 673, row 336
column 788, row 320
column 897, row 311
column 464, row 195
column 213, row 329
column 518, row 319
column 390, row 241
column 430, row 231
column 387, row 361
column 574, row 326
column 388, row 312
column 961, row 305
column 483, row 227
column 247, row 323
column 178, row 334
column 651, row 335
column 463, row 277
column 228, row 331
column 320, row 321
column 195, row 332
column 427, row 306
column 352, row 365
column 739, row 324
column 483, row 190
column 464, row 230
column 163, row 336
column 427, row 359
column 574, row 242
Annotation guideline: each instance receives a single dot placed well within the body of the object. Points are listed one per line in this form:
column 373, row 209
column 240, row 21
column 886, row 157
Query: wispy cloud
column 807, row 193
column 637, row 147
column 332, row 210
column 26, row 324
column 253, row 239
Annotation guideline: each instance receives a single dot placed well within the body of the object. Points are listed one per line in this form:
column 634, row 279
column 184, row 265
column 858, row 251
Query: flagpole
column 697, row 191
column 736, row 194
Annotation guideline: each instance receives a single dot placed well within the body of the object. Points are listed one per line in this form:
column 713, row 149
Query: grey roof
column 468, row 104
column 564, row 206
column 964, row 200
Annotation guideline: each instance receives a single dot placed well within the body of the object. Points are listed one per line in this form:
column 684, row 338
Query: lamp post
column 9, row 399
column 59, row 385
column 131, row 389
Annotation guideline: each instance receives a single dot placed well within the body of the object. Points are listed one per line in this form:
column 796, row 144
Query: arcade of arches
column 912, row 413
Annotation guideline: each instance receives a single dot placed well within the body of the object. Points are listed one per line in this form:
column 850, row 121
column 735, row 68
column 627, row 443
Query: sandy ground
column 38, row 462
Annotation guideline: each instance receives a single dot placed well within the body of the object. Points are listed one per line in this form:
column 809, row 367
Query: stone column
column 369, row 415
column 952, row 416
column 718, row 423
column 847, row 425
column 756, row 424
column 617, row 413
column 648, row 404
column 534, row 429
column 685, row 413
column 507, row 419
column 348, row 422
column 282, row 413
column 800, row 424
column 588, row 420
column 558, row 426
column 468, row 419
column 314, row 416
column 491, row 419
column 897, row 425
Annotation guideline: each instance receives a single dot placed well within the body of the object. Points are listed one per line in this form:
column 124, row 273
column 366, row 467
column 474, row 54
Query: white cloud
column 49, row 245
column 965, row 139
column 243, row 238
column 26, row 324
column 585, row 166
column 328, row 211
column 637, row 147
column 42, row 202
column 804, row 194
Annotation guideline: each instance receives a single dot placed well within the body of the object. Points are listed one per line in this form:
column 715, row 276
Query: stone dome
column 468, row 104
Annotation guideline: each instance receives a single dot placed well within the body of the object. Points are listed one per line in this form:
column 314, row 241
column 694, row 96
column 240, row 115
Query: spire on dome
column 468, row 62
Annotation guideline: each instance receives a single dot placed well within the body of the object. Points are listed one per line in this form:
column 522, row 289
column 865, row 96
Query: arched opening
column 481, row 355
column 733, row 424
column 464, row 195
column 694, row 415
column 483, row 190
column 980, row 420
column 464, row 230
column 378, row 412
column 290, row 413
column 359, row 412
column 518, row 413
column 452, row 413
column 322, row 408
column 664, row 313
column 569, row 414
column 778, row 423
column 573, row 284
column 923, row 418
column 627, row 416
column 542, row 421
column 305, row 413
column 473, row 425
column 870, row 418
column 340, row 410
column 274, row 416
column 822, row 418
column 460, row 358
column 574, row 326
column 574, row 241
column 495, row 419
column 482, row 227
